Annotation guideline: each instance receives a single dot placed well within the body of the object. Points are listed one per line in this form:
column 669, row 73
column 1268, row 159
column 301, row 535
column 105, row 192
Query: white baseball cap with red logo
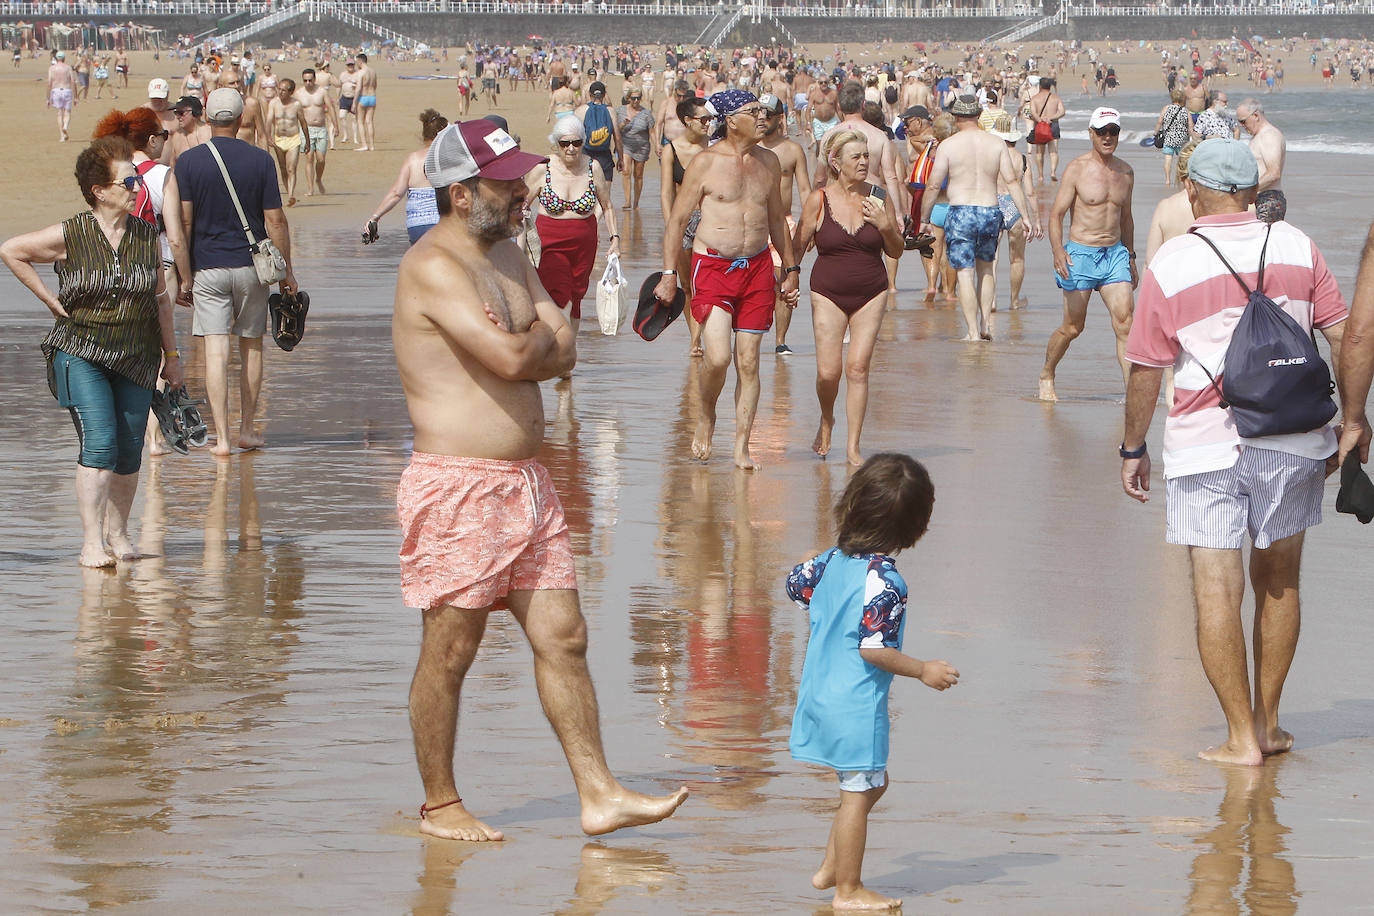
column 1104, row 116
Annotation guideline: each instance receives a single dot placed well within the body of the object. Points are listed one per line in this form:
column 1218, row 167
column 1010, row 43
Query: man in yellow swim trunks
column 286, row 120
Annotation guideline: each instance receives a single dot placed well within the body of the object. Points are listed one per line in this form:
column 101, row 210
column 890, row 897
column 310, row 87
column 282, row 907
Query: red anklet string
column 426, row 809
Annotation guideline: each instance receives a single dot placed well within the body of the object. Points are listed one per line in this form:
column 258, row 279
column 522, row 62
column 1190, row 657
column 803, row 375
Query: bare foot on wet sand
column 222, row 448
column 865, row 899
column 156, row 447
column 249, row 439
column 1276, row 742
column 121, row 547
column 821, row 445
column 701, row 441
column 742, row 459
column 96, row 557
column 629, row 809
column 457, row 823
column 1246, row 756
column 1047, row 390
column 853, row 456
column 824, row 878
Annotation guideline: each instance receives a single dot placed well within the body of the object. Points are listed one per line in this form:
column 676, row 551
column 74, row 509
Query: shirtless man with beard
column 475, row 333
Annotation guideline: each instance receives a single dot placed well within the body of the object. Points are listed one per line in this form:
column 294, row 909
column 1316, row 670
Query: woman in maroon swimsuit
column 852, row 229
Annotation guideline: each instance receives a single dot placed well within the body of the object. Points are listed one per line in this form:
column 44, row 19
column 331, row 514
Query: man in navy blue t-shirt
column 215, row 259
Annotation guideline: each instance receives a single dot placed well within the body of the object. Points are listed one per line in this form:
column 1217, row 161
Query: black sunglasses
column 1111, row 130
column 570, row 144
column 130, row 182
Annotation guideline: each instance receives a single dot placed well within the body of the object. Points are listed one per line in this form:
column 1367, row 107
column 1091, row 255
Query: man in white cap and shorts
column 61, row 91
column 1100, row 253
column 482, row 527
column 1221, row 488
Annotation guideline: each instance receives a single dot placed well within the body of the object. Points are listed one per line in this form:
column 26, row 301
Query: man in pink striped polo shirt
column 1221, row 487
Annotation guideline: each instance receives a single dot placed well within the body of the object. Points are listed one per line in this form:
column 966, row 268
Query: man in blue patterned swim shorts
column 973, row 160
column 1100, row 252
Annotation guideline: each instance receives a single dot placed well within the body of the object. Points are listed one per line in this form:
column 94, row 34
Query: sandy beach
column 224, row 726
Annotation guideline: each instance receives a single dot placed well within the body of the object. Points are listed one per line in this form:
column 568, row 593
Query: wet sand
column 226, row 722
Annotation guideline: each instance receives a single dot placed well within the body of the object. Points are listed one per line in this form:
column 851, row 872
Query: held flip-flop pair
column 288, row 317
column 180, row 422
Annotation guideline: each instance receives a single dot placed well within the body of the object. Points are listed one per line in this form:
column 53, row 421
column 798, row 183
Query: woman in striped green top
column 114, row 322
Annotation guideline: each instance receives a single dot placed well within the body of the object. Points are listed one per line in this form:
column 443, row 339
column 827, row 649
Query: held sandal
column 288, row 317
column 180, row 422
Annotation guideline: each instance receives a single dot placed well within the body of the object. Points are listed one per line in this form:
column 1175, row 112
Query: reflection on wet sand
column 1241, row 867
column 161, row 666
column 607, row 870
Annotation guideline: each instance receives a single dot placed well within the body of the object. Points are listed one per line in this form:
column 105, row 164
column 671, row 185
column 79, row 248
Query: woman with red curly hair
column 146, row 135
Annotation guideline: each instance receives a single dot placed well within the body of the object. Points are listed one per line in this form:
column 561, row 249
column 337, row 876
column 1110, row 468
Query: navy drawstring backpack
column 1274, row 380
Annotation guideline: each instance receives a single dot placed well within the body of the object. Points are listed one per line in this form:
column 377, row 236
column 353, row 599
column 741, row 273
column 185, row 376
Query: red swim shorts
column 744, row 287
column 475, row 529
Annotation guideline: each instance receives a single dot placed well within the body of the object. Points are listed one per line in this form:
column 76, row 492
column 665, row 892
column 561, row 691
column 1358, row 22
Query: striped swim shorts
column 1269, row 495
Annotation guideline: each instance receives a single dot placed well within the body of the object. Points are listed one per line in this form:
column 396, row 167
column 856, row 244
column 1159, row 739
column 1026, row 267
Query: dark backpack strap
column 1248, row 292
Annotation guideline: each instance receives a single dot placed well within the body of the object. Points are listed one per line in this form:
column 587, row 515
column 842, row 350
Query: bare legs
column 557, row 633
column 633, row 177
column 1120, row 304
column 716, row 354
column 844, row 855
column 977, row 287
column 447, row 648
column 746, row 392
column 1218, row 590
column 287, row 161
column 217, row 390
column 1016, row 249
column 829, row 323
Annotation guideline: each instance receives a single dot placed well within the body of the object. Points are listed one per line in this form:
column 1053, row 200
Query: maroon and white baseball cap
column 476, row 148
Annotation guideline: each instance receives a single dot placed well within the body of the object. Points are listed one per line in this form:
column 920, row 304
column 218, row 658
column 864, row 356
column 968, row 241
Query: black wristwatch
column 1132, row 453
column 794, row 268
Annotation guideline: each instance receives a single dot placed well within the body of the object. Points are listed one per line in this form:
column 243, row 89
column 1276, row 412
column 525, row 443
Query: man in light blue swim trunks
column 1100, row 252
column 974, row 161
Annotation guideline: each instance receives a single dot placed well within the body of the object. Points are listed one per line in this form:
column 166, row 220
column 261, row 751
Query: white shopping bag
column 612, row 298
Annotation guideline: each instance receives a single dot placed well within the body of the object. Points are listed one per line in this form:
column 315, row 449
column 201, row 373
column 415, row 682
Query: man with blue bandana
column 736, row 185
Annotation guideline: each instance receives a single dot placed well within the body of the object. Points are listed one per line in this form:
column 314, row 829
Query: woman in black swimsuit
column 674, row 158
column 853, row 225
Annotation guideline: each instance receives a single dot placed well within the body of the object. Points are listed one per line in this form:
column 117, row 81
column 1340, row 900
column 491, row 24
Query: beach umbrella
column 534, row 37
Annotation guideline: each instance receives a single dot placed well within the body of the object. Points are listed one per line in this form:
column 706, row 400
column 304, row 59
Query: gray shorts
column 228, row 300
column 1269, row 495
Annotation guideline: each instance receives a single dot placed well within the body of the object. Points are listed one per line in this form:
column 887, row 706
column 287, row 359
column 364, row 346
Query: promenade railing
column 908, row 9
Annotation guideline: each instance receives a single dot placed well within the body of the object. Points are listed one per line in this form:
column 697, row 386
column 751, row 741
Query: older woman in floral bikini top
column 567, row 225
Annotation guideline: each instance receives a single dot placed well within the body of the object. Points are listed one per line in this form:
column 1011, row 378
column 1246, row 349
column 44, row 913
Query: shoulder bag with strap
column 267, row 260
column 1274, row 380
column 1043, row 131
column 1159, row 134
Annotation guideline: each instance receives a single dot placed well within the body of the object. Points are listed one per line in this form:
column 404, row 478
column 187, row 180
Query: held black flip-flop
column 653, row 315
column 193, row 429
column 288, row 317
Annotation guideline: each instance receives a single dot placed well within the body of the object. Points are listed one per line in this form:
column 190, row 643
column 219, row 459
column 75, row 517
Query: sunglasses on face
column 752, row 112
column 570, row 144
column 1111, row 130
column 130, row 182
column 164, row 134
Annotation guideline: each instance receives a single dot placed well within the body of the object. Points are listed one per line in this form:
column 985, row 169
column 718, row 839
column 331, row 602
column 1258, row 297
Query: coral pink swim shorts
column 475, row 529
